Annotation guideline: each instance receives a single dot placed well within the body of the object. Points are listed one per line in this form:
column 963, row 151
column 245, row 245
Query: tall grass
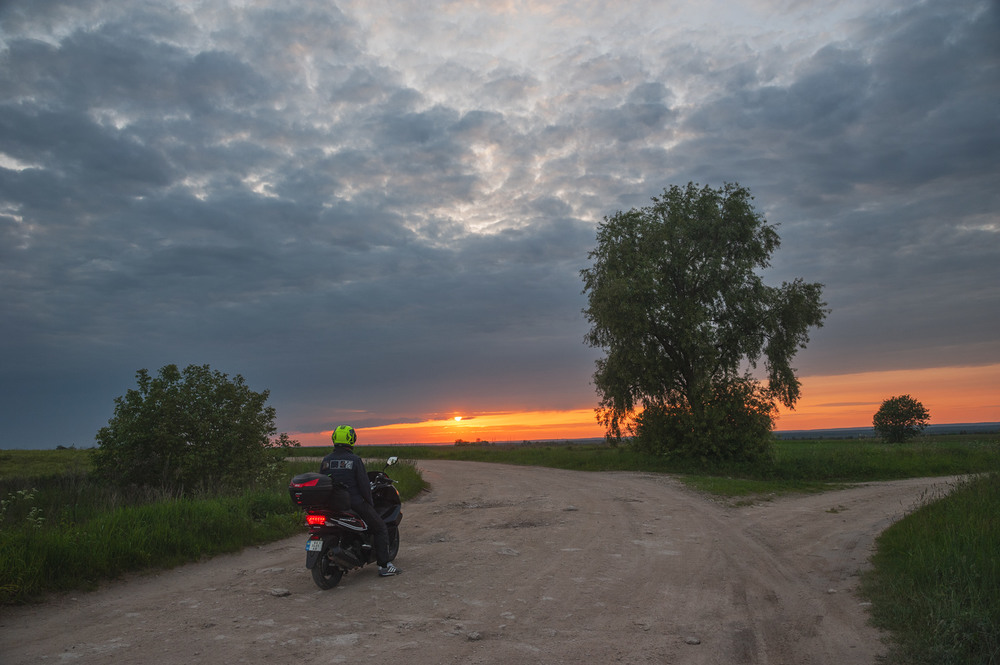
column 935, row 583
column 64, row 554
column 64, row 531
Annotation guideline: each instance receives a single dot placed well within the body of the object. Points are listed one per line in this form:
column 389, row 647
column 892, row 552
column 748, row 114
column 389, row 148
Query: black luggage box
column 315, row 490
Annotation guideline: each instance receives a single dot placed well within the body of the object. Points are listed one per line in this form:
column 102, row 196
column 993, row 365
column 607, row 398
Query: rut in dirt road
column 513, row 564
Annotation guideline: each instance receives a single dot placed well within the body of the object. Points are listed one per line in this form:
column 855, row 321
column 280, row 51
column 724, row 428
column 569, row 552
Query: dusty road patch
column 513, row 564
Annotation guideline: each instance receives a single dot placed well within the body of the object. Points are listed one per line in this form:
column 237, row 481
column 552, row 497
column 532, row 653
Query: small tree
column 187, row 429
column 900, row 419
column 676, row 298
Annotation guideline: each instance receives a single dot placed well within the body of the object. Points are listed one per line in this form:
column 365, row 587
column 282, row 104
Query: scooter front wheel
column 393, row 542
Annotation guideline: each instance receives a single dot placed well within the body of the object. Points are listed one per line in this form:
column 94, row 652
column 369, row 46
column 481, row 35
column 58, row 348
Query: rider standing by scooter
column 343, row 466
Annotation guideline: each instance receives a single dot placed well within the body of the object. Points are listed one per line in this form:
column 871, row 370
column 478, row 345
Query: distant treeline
column 869, row 432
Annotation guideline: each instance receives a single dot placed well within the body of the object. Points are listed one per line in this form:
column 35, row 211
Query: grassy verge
column 935, row 579
column 61, row 531
column 62, row 554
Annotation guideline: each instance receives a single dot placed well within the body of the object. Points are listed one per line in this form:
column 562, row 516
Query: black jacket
column 343, row 466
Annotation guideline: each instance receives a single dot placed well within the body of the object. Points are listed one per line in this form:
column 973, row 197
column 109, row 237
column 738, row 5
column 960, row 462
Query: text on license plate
column 314, row 545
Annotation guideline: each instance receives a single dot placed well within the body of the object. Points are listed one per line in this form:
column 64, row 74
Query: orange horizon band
column 951, row 394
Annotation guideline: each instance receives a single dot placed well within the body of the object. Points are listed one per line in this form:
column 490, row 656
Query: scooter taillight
column 315, row 520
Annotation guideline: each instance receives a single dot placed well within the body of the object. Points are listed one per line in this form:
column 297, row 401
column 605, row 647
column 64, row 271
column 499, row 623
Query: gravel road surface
column 507, row 564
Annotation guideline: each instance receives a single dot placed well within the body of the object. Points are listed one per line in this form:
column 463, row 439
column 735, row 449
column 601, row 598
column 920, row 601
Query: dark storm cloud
column 399, row 231
column 875, row 158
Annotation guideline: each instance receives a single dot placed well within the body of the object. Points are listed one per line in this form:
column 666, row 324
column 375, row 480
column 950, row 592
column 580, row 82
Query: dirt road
column 511, row 564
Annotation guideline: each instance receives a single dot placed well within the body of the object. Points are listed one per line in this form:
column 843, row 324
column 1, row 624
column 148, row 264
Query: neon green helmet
column 344, row 435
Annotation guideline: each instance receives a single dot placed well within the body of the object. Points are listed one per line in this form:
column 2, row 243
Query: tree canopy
column 188, row 429
column 900, row 418
column 676, row 299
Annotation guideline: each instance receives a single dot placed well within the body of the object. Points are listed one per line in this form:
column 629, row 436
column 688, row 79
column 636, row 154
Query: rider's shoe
column 388, row 570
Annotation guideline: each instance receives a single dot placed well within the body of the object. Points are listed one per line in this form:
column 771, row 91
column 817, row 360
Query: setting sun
column 458, row 418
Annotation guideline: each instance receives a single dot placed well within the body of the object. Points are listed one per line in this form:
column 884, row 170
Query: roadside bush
column 734, row 426
column 190, row 429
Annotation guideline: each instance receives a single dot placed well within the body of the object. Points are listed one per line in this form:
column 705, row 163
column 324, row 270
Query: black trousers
column 377, row 527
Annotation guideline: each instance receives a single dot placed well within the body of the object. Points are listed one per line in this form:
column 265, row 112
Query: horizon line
column 992, row 424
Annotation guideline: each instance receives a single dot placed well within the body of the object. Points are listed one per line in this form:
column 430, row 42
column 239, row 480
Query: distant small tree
column 900, row 419
column 188, row 429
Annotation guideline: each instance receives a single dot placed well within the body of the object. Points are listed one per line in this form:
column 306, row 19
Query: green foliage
column 735, row 425
column 676, row 300
column 409, row 482
column 935, row 577
column 21, row 505
column 900, row 419
column 189, row 429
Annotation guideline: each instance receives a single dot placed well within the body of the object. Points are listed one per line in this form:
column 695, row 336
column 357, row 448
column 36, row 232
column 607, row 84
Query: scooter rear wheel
column 326, row 574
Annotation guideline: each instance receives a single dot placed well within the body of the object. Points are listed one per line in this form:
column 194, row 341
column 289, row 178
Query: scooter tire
column 326, row 574
column 393, row 542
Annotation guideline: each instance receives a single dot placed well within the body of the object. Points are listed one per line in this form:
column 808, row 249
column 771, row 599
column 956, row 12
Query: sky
column 378, row 211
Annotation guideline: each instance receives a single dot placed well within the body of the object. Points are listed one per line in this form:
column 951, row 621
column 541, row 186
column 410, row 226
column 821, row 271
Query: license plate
column 314, row 546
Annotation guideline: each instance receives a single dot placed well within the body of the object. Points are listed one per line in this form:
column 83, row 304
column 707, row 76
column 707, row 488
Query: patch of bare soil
column 514, row 564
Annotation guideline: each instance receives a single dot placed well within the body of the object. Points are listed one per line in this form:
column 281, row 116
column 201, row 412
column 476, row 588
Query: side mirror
column 391, row 461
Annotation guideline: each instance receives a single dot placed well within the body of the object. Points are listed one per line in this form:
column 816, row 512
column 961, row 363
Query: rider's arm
column 361, row 478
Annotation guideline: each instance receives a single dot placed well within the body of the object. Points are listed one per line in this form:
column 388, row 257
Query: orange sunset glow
column 495, row 427
column 951, row 394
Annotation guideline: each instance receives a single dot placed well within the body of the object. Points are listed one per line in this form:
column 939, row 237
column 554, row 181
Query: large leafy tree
column 195, row 428
column 677, row 301
column 900, row 418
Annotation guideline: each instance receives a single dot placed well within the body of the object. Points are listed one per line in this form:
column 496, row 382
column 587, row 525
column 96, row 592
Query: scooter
column 339, row 540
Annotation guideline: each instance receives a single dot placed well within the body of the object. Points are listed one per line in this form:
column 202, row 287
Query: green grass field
column 798, row 466
column 933, row 584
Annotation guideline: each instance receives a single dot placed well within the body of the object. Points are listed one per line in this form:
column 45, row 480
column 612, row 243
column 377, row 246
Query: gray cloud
column 365, row 222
